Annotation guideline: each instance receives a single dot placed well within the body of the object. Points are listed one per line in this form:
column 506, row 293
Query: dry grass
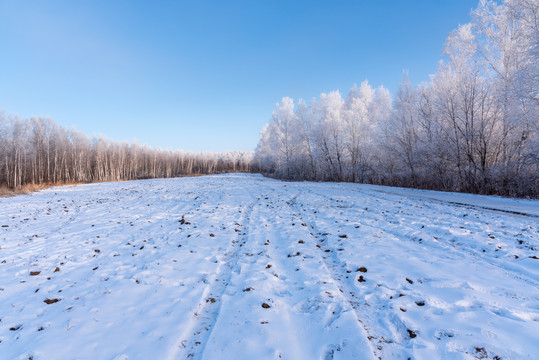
column 28, row 188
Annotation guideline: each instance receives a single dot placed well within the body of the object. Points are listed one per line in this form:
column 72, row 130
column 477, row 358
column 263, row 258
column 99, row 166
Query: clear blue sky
column 201, row 75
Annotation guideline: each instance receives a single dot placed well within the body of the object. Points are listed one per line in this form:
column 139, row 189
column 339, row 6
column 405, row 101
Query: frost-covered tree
column 508, row 36
column 329, row 134
column 38, row 151
column 404, row 131
column 473, row 127
column 358, row 130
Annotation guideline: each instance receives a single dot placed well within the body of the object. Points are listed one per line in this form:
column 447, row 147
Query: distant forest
column 37, row 151
column 472, row 128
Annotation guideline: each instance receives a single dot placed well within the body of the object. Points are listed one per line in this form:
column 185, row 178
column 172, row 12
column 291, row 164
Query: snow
column 509, row 205
column 181, row 268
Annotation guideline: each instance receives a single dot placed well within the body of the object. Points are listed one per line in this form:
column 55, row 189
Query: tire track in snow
column 379, row 339
column 264, row 245
column 280, row 257
column 194, row 340
column 461, row 252
column 458, row 249
column 465, row 205
column 282, row 270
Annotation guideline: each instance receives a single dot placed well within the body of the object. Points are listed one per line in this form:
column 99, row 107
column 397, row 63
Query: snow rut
column 194, row 339
column 398, row 224
column 383, row 344
column 280, row 291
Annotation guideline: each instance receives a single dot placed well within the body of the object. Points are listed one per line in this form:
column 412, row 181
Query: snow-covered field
column 243, row 267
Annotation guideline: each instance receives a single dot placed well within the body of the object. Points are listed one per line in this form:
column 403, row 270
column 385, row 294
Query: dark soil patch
column 50, row 301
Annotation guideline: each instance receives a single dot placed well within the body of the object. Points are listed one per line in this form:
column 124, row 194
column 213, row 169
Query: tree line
column 474, row 127
column 39, row 151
